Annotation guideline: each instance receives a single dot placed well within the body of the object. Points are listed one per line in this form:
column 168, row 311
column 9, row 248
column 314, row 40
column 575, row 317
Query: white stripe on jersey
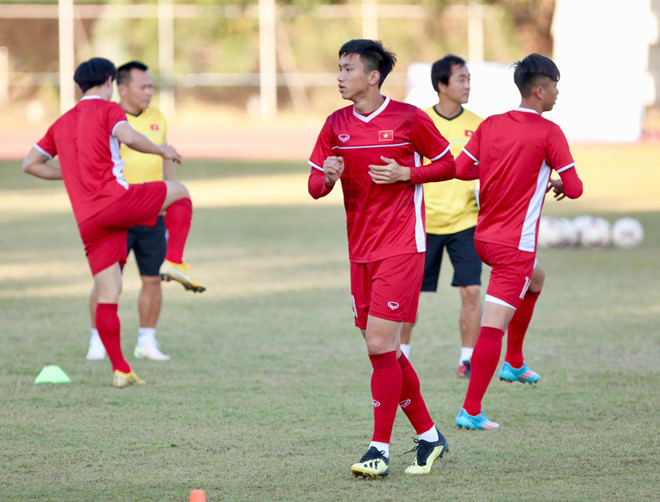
column 528, row 236
column 44, row 152
column 420, row 231
column 442, row 154
column 118, row 164
column 565, row 168
column 337, row 147
column 314, row 165
column 470, row 155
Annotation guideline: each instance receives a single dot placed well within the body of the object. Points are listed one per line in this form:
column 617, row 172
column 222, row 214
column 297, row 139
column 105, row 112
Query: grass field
column 266, row 396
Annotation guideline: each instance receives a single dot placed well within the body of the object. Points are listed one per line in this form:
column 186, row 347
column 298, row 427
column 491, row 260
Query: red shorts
column 511, row 272
column 387, row 289
column 104, row 234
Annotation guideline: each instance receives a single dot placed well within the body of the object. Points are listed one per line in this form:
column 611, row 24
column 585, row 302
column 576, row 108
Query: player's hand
column 557, row 187
column 170, row 153
column 333, row 167
column 391, row 172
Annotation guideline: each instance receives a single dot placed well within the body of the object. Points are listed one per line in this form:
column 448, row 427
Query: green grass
column 267, row 393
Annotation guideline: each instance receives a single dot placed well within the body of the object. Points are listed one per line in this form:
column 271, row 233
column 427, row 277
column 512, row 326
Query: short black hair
column 373, row 55
column 124, row 71
column 531, row 70
column 441, row 69
column 94, row 72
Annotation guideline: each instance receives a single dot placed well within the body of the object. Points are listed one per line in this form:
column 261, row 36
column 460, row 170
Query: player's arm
column 434, row 146
column 322, row 180
column 467, row 167
column 135, row 140
column 569, row 185
column 168, row 170
column 36, row 164
column 441, row 168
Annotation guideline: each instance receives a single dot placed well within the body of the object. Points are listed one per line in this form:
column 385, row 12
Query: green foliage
column 267, row 393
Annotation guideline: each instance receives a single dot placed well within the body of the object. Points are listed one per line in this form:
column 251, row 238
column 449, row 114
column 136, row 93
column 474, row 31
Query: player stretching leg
column 148, row 243
column 513, row 188
column 86, row 139
column 375, row 147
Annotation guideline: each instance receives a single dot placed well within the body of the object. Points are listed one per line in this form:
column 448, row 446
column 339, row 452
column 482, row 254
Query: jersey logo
column 344, row 137
column 468, row 133
column 393, row 305
column 154, row 127
column 385, row 135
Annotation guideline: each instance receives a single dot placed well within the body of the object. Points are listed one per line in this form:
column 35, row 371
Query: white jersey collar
column 367, row 118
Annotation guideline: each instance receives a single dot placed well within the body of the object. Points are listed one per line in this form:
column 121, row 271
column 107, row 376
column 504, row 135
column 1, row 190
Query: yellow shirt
column 145, row 166
column 451, row 205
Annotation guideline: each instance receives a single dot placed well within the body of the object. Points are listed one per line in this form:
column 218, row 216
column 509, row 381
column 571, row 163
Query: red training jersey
column 516, row 152
column 89, row 154
column 382, row 220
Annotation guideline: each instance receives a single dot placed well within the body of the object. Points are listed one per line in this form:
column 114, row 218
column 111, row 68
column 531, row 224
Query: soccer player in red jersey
column 86, row 139
column 376, row 147
column 513, row 156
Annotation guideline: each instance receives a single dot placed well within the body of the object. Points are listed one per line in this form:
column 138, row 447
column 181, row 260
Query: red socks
column 177, row 221
column 411, row 400
column 518, row 328
column 485, row 357
column 108, row 326
column 385, row 391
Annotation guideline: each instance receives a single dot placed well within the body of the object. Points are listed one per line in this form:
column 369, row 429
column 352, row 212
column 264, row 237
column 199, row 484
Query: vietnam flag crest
column 385, row 135
column 154, row 127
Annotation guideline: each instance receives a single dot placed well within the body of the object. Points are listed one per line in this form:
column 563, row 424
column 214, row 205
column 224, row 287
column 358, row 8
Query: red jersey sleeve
column 47, row 144
column 558, row 156
column 430, row 144
column 115, row 114
column 467, row 163
column 322, row 150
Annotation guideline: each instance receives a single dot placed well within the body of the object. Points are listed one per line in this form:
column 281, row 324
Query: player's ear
column 374, row 77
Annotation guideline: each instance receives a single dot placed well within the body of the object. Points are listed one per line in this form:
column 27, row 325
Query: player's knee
column 176, row 190
column 538, row 278
column 471, row 295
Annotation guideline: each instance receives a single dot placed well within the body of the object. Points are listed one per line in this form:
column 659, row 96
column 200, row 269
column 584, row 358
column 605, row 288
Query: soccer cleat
column 464, row 369
column 150, row 352
column 372, row 464
column 478, row 422
column 121, row 379
column 426, row 454
column 524, row 374
column 180, row 272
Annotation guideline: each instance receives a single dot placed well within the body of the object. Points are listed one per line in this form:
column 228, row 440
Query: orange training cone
column 197, row 496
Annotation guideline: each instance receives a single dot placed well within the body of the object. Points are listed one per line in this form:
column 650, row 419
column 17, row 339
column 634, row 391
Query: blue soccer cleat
column 524, row 374
column 479, row 422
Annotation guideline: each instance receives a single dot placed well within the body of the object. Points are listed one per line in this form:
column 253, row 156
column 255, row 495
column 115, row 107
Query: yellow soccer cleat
column 426, row 454
column 121, row 379
column 372, row 464
column 180, row 272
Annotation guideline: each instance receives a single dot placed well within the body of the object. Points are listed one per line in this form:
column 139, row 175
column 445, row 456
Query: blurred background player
column 375, row 146
column 149, row 244
column 513, row 155
column 86, row 139
column 452, row 209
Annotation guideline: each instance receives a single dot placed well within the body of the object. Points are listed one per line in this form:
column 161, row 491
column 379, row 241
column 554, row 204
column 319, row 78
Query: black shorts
column 463, row 256
column 149, row 245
